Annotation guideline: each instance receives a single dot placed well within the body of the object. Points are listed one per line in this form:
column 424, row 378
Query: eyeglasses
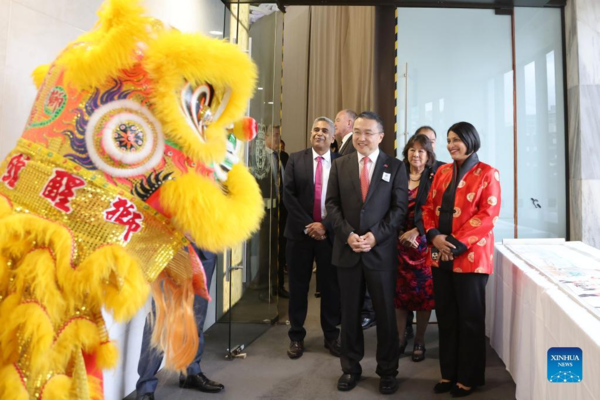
column 317, row 129
column 366, row 134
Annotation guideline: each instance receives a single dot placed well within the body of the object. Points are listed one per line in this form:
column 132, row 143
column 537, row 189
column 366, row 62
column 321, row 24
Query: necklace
column 419, row 177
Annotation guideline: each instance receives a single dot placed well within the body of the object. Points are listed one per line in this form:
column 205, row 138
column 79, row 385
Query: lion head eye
column 196, row 103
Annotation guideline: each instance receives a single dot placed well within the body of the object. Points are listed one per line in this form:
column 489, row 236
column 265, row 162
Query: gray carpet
column 267, row 372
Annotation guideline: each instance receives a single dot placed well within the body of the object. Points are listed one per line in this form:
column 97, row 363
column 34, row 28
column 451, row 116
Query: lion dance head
column 130, row 149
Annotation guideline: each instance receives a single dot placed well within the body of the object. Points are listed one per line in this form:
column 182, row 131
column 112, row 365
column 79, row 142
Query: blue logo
column 565, row 365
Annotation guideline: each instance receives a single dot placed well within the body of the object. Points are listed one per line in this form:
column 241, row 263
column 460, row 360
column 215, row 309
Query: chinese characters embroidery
column 13, row 169
column 60, row 189
column 124, row 212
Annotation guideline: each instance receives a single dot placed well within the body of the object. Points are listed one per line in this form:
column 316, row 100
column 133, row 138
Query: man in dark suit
column 309, row 237
column 344, row 120
column 367, row 200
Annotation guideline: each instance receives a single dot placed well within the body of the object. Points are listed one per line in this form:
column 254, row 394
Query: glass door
column 247, row 279
column 456, row 65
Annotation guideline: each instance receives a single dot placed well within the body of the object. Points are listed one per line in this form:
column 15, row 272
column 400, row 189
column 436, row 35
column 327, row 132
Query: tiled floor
column 267, row 372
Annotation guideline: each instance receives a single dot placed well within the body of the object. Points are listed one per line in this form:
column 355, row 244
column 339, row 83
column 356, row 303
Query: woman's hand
column 445, row 247
column 446, row 257
column 409, row 239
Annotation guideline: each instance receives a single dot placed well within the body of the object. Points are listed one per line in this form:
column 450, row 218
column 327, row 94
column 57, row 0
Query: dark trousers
column 150, row 358
column 300, row 256
column 367, row 307
column 266, row 277
column 382, row 286
column 282, row 245
column 460, row 311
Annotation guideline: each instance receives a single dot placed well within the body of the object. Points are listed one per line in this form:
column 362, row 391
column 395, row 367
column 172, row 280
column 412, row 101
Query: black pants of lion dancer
column 382, row 285
column 300, row 257
column 460, row 312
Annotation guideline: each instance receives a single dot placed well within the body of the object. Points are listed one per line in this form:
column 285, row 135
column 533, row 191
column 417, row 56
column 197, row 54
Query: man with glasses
column 367, row 198
column 309, row 237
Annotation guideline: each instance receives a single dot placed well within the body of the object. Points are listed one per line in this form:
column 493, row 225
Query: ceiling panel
column 417, row 3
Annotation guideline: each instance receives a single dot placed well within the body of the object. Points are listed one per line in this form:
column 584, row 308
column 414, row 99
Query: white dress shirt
column 345, row 139
column 326, row 163
column 373, row 157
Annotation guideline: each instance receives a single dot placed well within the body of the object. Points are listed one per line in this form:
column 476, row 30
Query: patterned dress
column 414, row 286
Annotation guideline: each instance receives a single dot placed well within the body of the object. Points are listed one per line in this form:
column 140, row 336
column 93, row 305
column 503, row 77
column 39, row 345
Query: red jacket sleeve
column 482, row 223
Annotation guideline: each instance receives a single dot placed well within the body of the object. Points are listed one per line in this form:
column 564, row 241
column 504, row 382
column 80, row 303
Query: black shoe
column 443, row 387
column 296, row 349
column 388, row 385
column 200, row 382
column 347, row 382
column 460, row 392
column 402, row 349
column 283, row 293
column 334, row 346
column 408, row 332
column 147, row 396
column 368, row 322
column 419, row 357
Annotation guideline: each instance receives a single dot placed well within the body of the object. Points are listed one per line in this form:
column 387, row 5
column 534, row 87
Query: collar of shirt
column 345, row 138
column 373, row 157
column 326, row 156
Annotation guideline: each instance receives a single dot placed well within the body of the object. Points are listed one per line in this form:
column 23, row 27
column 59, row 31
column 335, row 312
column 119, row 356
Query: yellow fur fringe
column 19, row 231
column 32, row 323
column 127, row 290
column 4, row 274
column 57, row 388
column 55, row 289
column 174, row 58
column 77, row 334
column 39, row 74
column 37, row 270
column 107, row 355
column 108, row 49
column 9, row 344
column 11, row 387
column 226, row 219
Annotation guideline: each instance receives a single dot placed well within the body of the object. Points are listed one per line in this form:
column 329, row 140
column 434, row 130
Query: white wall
column 33, row 32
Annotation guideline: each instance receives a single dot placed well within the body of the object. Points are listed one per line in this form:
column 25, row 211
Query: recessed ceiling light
column 259, row 88
column 216, row 33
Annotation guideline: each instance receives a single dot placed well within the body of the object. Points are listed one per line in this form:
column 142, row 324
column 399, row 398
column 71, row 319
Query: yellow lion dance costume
column 128, row 149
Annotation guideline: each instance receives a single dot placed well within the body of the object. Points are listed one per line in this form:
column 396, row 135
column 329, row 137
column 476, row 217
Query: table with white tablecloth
column 530, row 310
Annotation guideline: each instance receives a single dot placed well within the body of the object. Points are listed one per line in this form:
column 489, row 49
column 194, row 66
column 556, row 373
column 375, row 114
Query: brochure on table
column 574, row 266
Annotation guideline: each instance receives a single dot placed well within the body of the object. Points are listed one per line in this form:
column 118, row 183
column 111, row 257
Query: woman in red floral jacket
column 459, row 216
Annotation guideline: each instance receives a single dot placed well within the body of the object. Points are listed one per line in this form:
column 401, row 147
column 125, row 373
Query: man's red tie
column 318, row 190
column 364, row 178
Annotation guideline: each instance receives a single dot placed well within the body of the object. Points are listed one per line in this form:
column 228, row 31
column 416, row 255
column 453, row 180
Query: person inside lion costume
column 129, row 149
